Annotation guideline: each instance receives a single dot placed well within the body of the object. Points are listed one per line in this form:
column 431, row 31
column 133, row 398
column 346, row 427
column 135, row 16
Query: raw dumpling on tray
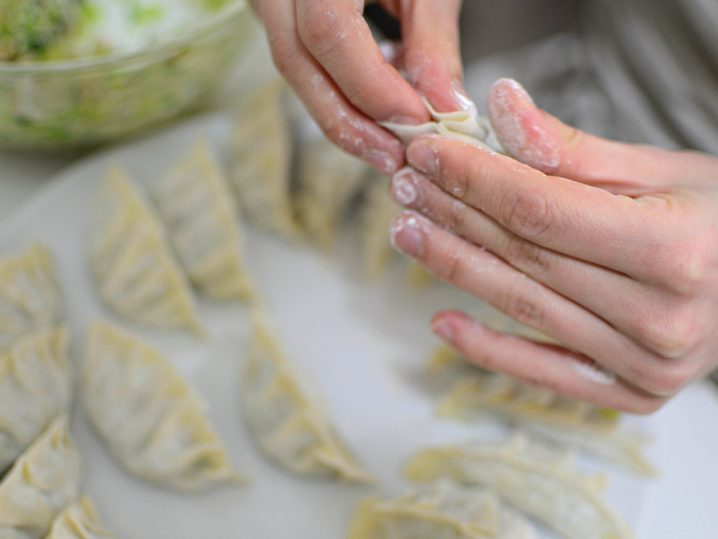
column 442, row 510
column 474, row 391
column 29, row 294
column 286, row 417
column 78, row 521
column 540, row 480
column 133, row 265
column 261, row 153
column 40, row 484
column 196, row 204
column 35, row 387
column 152, row 422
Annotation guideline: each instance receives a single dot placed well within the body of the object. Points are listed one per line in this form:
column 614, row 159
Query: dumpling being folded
column 196, row 205
column 329, row 179
column 442, row 510
column 78, row 521
column 133, row 264
column 29, row 294
column 43, row 480
column 261, row 154
column 35, row 387
column 537, row 479
column 147, row 415
column 286, row 418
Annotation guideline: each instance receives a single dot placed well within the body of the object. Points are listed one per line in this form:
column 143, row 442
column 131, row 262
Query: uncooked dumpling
column 78, row 521
column 196, row 204
column 444, row 510
column 286, row 418
column 35, row 387
column 537, row 479
column 43, row 480
column 261, row 154
column 593, row 429
column 29, row 294
column 329, row 179
column 465, row 125
column 147, row 415
column 133, row 264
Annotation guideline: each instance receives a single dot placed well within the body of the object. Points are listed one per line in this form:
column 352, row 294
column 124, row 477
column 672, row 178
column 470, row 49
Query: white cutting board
column 362, row 343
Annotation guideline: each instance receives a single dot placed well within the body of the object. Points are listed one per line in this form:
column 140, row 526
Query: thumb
column 542, row 141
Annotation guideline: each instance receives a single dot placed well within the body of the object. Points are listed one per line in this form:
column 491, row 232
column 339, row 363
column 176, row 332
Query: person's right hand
column 325, row 50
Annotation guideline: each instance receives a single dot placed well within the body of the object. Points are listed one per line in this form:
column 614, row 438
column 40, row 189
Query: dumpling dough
column 286, row 418
column 29, row 294
column 444, row 510
column 78, row 521
column 132, row 262
column 261, row 153
column 196, row 205
column 149, row 418
column 595, row 430
column 35, row 387
column 539, row 480
column 43, row 480
column 465, row 125
column 329, row 179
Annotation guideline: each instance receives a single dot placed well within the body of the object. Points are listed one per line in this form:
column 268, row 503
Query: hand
column 611, row 249
column 324, row 48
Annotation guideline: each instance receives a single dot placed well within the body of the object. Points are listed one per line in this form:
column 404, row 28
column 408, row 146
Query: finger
column 335, row 33
column 624, row 234
column 490, row 279
column 430, row 32
column 540, row 140
column 566, row 373
column 342, row 123
column 624, row 303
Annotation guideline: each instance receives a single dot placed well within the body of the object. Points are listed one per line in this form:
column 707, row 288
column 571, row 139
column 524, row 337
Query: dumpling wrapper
column 152, row 422
column 542, row 411
column 41, row 482
column 286, row 415
column 35, row 387
column 196, row 205
column 133, row 265
column 444, row 510
column 29, row 294
column 465, row 125
column 261, row 151
column 79, row 521
column 329, row 179
column 536, row 479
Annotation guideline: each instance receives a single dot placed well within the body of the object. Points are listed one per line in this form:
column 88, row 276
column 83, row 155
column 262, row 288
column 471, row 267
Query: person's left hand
column 611, row 249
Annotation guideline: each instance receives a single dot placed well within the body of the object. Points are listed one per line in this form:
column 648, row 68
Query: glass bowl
column 86, row 102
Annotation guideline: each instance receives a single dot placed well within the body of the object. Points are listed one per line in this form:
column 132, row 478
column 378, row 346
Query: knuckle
column 524, row 310
column 529, row 215
column 670, row 336
column 284, row 52
column 665, row 377
column 526, row 256
column 451, row 270
column 319, row 28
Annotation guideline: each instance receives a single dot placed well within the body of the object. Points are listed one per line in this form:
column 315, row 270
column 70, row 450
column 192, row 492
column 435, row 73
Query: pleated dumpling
column 41, row 482
column 78, row 521
column 537, row 479
column 196, row 205
column 261, row 152
column 133, row 264
column 329, row 179
column 596, row 430
column 35, row 387
column 29, row 294
column 443, row 510
column 153, row 423
column 285, row 416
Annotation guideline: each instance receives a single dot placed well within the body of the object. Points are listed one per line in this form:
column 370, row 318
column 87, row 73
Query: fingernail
column 403, row 188
column 443, row 329
column 423, row 157
column 596, row 373
column 516, row 87
column 407, row 237
column 383, row 161
column 462, row 98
